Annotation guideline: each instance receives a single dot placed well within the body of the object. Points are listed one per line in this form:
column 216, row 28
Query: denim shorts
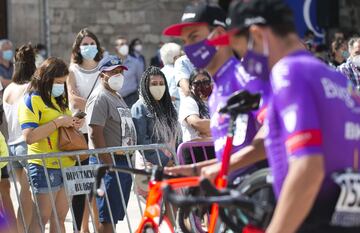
column 16, row 150
column 37, row 179
column 114, row 195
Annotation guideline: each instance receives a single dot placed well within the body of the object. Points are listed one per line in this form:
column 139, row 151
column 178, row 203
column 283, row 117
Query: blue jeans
column 113, row 192
column 37, row 179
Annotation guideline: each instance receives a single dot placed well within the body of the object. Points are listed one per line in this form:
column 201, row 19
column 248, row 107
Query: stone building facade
column 144, row 19
column 108, row 19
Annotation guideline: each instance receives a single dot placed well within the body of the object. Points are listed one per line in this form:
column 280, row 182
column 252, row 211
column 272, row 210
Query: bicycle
column 240, row 102
column 254, row 216
column 153, row 219
column 258, row 187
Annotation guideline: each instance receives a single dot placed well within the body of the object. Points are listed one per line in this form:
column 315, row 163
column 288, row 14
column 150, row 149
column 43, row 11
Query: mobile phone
column 80, row 115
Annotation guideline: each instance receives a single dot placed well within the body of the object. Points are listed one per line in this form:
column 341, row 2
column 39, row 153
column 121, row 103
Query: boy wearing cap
column 308, row 144
column 110, row 124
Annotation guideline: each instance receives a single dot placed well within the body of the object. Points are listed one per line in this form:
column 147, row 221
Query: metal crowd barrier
column 79, row 180
column 195, row 151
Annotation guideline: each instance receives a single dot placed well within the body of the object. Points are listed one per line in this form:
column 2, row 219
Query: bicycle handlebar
column 234, row 198
column 241, row 102
column 155, row 172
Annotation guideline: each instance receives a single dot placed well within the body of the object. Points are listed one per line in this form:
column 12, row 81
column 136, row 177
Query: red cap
column 176, row 29
column 224, row 39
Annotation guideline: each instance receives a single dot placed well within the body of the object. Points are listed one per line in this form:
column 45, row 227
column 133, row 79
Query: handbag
column 70, row 139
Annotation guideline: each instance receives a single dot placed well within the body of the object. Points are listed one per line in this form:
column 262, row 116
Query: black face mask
column 202, row 88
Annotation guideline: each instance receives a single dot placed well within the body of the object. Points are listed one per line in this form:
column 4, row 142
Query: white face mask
column 123, row 50
column 116, row 82
column 138, row 48
column 356, row 61
column 157, row 91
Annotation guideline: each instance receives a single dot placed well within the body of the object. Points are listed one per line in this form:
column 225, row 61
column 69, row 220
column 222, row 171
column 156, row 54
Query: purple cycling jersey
column 230, row 78
column 313, row 111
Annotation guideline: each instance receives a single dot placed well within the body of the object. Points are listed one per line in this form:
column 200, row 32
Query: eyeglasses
column 201, row 82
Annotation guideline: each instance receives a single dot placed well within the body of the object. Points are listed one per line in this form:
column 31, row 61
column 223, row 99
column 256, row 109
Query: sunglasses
column 201, row 82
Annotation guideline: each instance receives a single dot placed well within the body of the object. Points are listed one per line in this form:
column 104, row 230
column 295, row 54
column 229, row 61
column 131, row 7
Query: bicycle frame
column 221, row 180
column 152, row 211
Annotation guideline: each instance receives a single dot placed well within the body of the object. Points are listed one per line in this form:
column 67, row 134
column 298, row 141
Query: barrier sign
column 79, row 180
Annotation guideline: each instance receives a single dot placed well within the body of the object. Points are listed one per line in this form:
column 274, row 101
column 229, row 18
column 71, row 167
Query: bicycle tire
column 187, row 214
column 257, row 181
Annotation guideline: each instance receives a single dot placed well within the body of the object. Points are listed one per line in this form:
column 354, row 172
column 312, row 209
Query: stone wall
column 349, row 15
column 109, row 18
column 24, row 20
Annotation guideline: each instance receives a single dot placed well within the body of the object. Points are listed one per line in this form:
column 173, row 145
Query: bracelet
column 53, row 121
column 194, row 169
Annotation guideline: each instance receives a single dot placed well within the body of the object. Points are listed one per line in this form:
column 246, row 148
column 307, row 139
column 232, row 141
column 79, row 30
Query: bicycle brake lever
column 99, row 174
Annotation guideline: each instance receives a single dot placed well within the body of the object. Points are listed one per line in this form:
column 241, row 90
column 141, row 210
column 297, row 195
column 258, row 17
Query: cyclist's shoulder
column 300, row 67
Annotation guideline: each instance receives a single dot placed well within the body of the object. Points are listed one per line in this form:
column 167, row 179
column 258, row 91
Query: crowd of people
column 127, row 103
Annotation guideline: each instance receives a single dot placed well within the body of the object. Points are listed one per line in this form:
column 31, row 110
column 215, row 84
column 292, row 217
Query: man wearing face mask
column 301, row 126
column 351, row 68
column 6, row 59
column 199, row 24
column 110, row 124
column 129, row 91
column 135, row 50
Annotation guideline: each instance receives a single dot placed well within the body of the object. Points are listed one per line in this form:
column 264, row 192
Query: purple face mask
column 256, row 64
column 200, row 54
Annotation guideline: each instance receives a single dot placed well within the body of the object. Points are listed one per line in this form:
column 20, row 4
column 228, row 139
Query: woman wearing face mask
column 155, row 116
column 155, row 119
column 43, row 110
column 13, row 96
column 135, row 50
column 194, row 113
column 82, row 80
column 110, row 124
column 339, row 52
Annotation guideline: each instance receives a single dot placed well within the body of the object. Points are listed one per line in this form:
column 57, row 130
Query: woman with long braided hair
column 154, row 116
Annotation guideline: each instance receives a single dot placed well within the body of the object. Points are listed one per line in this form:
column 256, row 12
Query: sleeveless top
column 85, row 80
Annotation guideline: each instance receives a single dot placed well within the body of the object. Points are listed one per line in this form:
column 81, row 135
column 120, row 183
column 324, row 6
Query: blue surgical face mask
column 200, row 54
column 57, row 89
column 256, row 64
column 88, row 52
column 8, row 55
column 345, row 54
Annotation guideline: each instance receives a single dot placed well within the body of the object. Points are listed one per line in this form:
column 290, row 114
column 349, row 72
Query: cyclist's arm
column 298, row 194
column 190, row 169
column 248, row 155
column 251, row 154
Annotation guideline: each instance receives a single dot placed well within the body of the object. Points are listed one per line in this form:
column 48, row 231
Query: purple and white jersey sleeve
column 297, row 111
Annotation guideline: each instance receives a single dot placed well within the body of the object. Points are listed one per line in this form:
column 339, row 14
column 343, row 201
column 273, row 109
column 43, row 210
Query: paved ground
column 133, row 213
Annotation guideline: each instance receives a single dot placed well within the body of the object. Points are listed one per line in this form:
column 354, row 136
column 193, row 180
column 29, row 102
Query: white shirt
column 188, row 107
column 85, row 80
column 183, row 69
column 169, row 73
column 14, row 129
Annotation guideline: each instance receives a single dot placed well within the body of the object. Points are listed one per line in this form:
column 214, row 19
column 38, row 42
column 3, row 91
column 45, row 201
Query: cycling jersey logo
column 278, row 77
column 333, row 90
column 303, row 139
column 352, row 131
column 242, row 76
column 290, row 118
column 355, row 93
